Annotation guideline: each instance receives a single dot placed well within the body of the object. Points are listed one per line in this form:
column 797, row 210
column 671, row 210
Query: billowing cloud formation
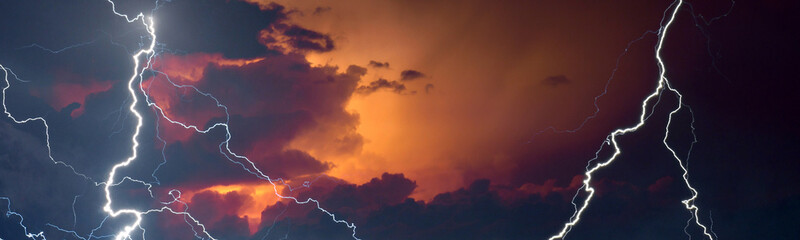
column 389, row 189
column 272, row 101
column 245, row 31
column 408, row 75
column 481, row 210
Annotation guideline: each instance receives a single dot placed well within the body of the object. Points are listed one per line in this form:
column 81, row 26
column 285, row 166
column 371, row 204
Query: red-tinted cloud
column 68, row 88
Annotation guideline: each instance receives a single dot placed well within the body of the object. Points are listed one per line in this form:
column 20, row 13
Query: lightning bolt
column 138, row 70
column 611, row 139
column 250, row 166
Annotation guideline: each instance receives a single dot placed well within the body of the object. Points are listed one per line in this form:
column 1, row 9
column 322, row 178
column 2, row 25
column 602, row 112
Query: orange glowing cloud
column 490, row 76
column 258, row 196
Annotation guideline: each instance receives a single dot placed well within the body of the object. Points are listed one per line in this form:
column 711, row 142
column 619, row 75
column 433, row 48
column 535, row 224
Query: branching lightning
column 663, row 83
column 250, row 166
column 138, row 70
column 8, row 72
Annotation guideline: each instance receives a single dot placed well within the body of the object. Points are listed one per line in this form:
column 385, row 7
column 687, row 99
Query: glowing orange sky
column 486, row 73
column 488, row 94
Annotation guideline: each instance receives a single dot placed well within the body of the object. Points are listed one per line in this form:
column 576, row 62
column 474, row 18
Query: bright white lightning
column 663, row 83
column 150, row 52
column 125, row 233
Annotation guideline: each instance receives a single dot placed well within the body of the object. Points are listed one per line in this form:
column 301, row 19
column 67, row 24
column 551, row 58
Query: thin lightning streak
column 74, row 214
column 160, row 111
column 711, row 219
column 7, row 70
column 274, row 221
column 688, row 156
column 44, row 122
column 663, row 83
column 35, row 45
column 9, row 213
column 599, row 96
column 605, row 90
column 703, row 29
column 688, row 203
column 77, row 45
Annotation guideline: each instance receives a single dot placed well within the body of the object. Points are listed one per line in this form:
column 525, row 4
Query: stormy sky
column 397, row 119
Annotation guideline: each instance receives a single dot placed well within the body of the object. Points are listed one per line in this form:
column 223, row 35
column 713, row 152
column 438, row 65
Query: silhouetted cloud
column 182, row 23
column 408, row 75
column 356, row 70
column 376, row 64
column 292, row 38
column 379, row 84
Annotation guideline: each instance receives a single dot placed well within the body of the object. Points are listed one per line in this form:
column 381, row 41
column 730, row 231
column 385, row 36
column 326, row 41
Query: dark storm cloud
column 23, row 161
column 293, row 38
column 234, row 28
column 376, row 64
column 476, row 212
column 356, row 70
column 219, row 213
column 293, row 163
column 197, row 163
column 408, row 75
column 480, row 211
column 381, row 83
column 556, row 80
column 389, row 189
